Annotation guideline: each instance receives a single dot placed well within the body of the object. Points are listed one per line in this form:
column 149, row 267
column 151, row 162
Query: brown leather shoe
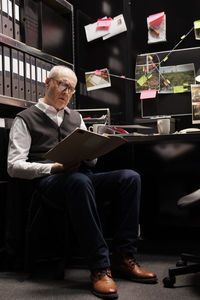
column 103, row 285
column 126, row 267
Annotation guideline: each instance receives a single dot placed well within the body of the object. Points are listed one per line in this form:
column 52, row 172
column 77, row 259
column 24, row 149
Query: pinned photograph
column 156, row 25
column 178, row 78
column 147, row 72
column 195, row 94
column 97, row 79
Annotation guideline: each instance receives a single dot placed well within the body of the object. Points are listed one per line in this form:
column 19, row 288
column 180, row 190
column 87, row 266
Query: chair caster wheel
column 169, row 282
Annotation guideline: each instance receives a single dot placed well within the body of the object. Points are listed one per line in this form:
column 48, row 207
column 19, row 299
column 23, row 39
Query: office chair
column 182, row 266
column 34, row 233
column 27, row 222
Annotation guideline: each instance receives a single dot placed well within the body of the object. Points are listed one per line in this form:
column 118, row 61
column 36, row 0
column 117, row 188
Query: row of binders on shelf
column 22, row 75
column 10, row 18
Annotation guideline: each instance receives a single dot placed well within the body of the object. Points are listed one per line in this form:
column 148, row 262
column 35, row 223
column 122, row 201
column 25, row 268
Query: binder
column 39, row 78
column 10, row 19
column 48, row 68
column 6, row 71
column 1, row 30
column 21, row 74
column 33, row 79
column 16, row 18
column 1, row 71
column 5, row 28
column 15, row 73
column 27, row 77
column 44, row 76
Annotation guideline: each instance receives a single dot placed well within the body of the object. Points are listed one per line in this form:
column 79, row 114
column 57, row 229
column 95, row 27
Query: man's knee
column 130, row 175
column 78, row 180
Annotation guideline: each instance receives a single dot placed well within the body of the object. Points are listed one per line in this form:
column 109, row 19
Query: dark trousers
column 75, row 195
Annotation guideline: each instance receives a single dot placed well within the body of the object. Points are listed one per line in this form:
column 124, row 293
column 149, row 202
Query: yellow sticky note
column 179, row 89
column 183, row 36
column 166, row 58
column 150, row 76
column 197, row 24
column 142, row 80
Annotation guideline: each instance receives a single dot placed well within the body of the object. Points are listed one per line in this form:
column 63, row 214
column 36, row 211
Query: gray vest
column 44, row 132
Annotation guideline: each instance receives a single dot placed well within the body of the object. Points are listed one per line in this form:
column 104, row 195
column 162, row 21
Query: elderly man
column 75, row 188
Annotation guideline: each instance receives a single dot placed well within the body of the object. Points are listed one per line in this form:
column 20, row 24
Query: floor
column 76, row 285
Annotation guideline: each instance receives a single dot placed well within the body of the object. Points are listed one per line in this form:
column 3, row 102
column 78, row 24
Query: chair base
column 182, row 268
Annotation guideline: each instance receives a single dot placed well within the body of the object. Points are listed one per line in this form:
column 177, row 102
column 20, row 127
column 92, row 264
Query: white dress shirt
column 20, row 142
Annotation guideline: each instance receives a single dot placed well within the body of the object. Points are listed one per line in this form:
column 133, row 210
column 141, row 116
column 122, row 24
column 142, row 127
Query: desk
column 149, row 138
column 169, row 166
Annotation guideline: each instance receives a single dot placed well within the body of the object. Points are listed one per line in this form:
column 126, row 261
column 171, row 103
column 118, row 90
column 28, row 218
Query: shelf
column 8, row 41
column 10, row 106
column 59, row 4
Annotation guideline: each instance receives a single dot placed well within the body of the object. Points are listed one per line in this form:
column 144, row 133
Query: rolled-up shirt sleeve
column 18, row 150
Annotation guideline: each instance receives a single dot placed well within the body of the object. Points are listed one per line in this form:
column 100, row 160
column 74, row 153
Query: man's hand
column 57, row 167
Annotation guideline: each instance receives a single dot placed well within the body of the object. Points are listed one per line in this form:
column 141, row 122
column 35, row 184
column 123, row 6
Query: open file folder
column 82, row 145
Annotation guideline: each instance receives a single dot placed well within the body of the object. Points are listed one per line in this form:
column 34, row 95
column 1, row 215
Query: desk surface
column 185, row 137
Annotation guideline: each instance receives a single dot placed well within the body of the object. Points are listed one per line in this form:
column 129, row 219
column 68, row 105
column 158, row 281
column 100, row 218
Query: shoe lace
column 132, row 262
column 107, row 272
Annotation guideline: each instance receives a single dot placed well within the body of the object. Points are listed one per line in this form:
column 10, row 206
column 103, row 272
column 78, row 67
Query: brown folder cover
column 81, row 145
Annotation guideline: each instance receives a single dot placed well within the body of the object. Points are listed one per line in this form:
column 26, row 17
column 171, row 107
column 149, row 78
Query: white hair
column 57, row 69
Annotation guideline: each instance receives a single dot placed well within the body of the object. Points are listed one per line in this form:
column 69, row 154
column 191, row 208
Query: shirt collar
column 48, row 108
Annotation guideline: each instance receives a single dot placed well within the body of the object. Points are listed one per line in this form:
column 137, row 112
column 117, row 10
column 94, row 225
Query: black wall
column 113, row 54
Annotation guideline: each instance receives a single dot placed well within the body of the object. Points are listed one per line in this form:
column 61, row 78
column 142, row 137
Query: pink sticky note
column 153, row 65
column 104, row 23
column 156, row 19
column 123, row 76
column 165, row 83
column 97, row 72
column 145, row 69
column 147, row 94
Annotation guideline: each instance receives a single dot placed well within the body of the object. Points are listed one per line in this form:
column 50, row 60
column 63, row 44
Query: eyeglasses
column 64, row 86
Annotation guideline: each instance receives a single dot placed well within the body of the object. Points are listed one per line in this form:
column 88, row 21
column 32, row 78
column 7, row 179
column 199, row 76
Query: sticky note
column 148, row 94
column 104, row 23
column 97, row 72
column 156, row 19
column 179, row 89
column 142, row 80
column 166, row 58
column 197, row 24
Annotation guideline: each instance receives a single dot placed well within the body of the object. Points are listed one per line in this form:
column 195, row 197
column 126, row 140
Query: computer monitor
column 172, row 104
